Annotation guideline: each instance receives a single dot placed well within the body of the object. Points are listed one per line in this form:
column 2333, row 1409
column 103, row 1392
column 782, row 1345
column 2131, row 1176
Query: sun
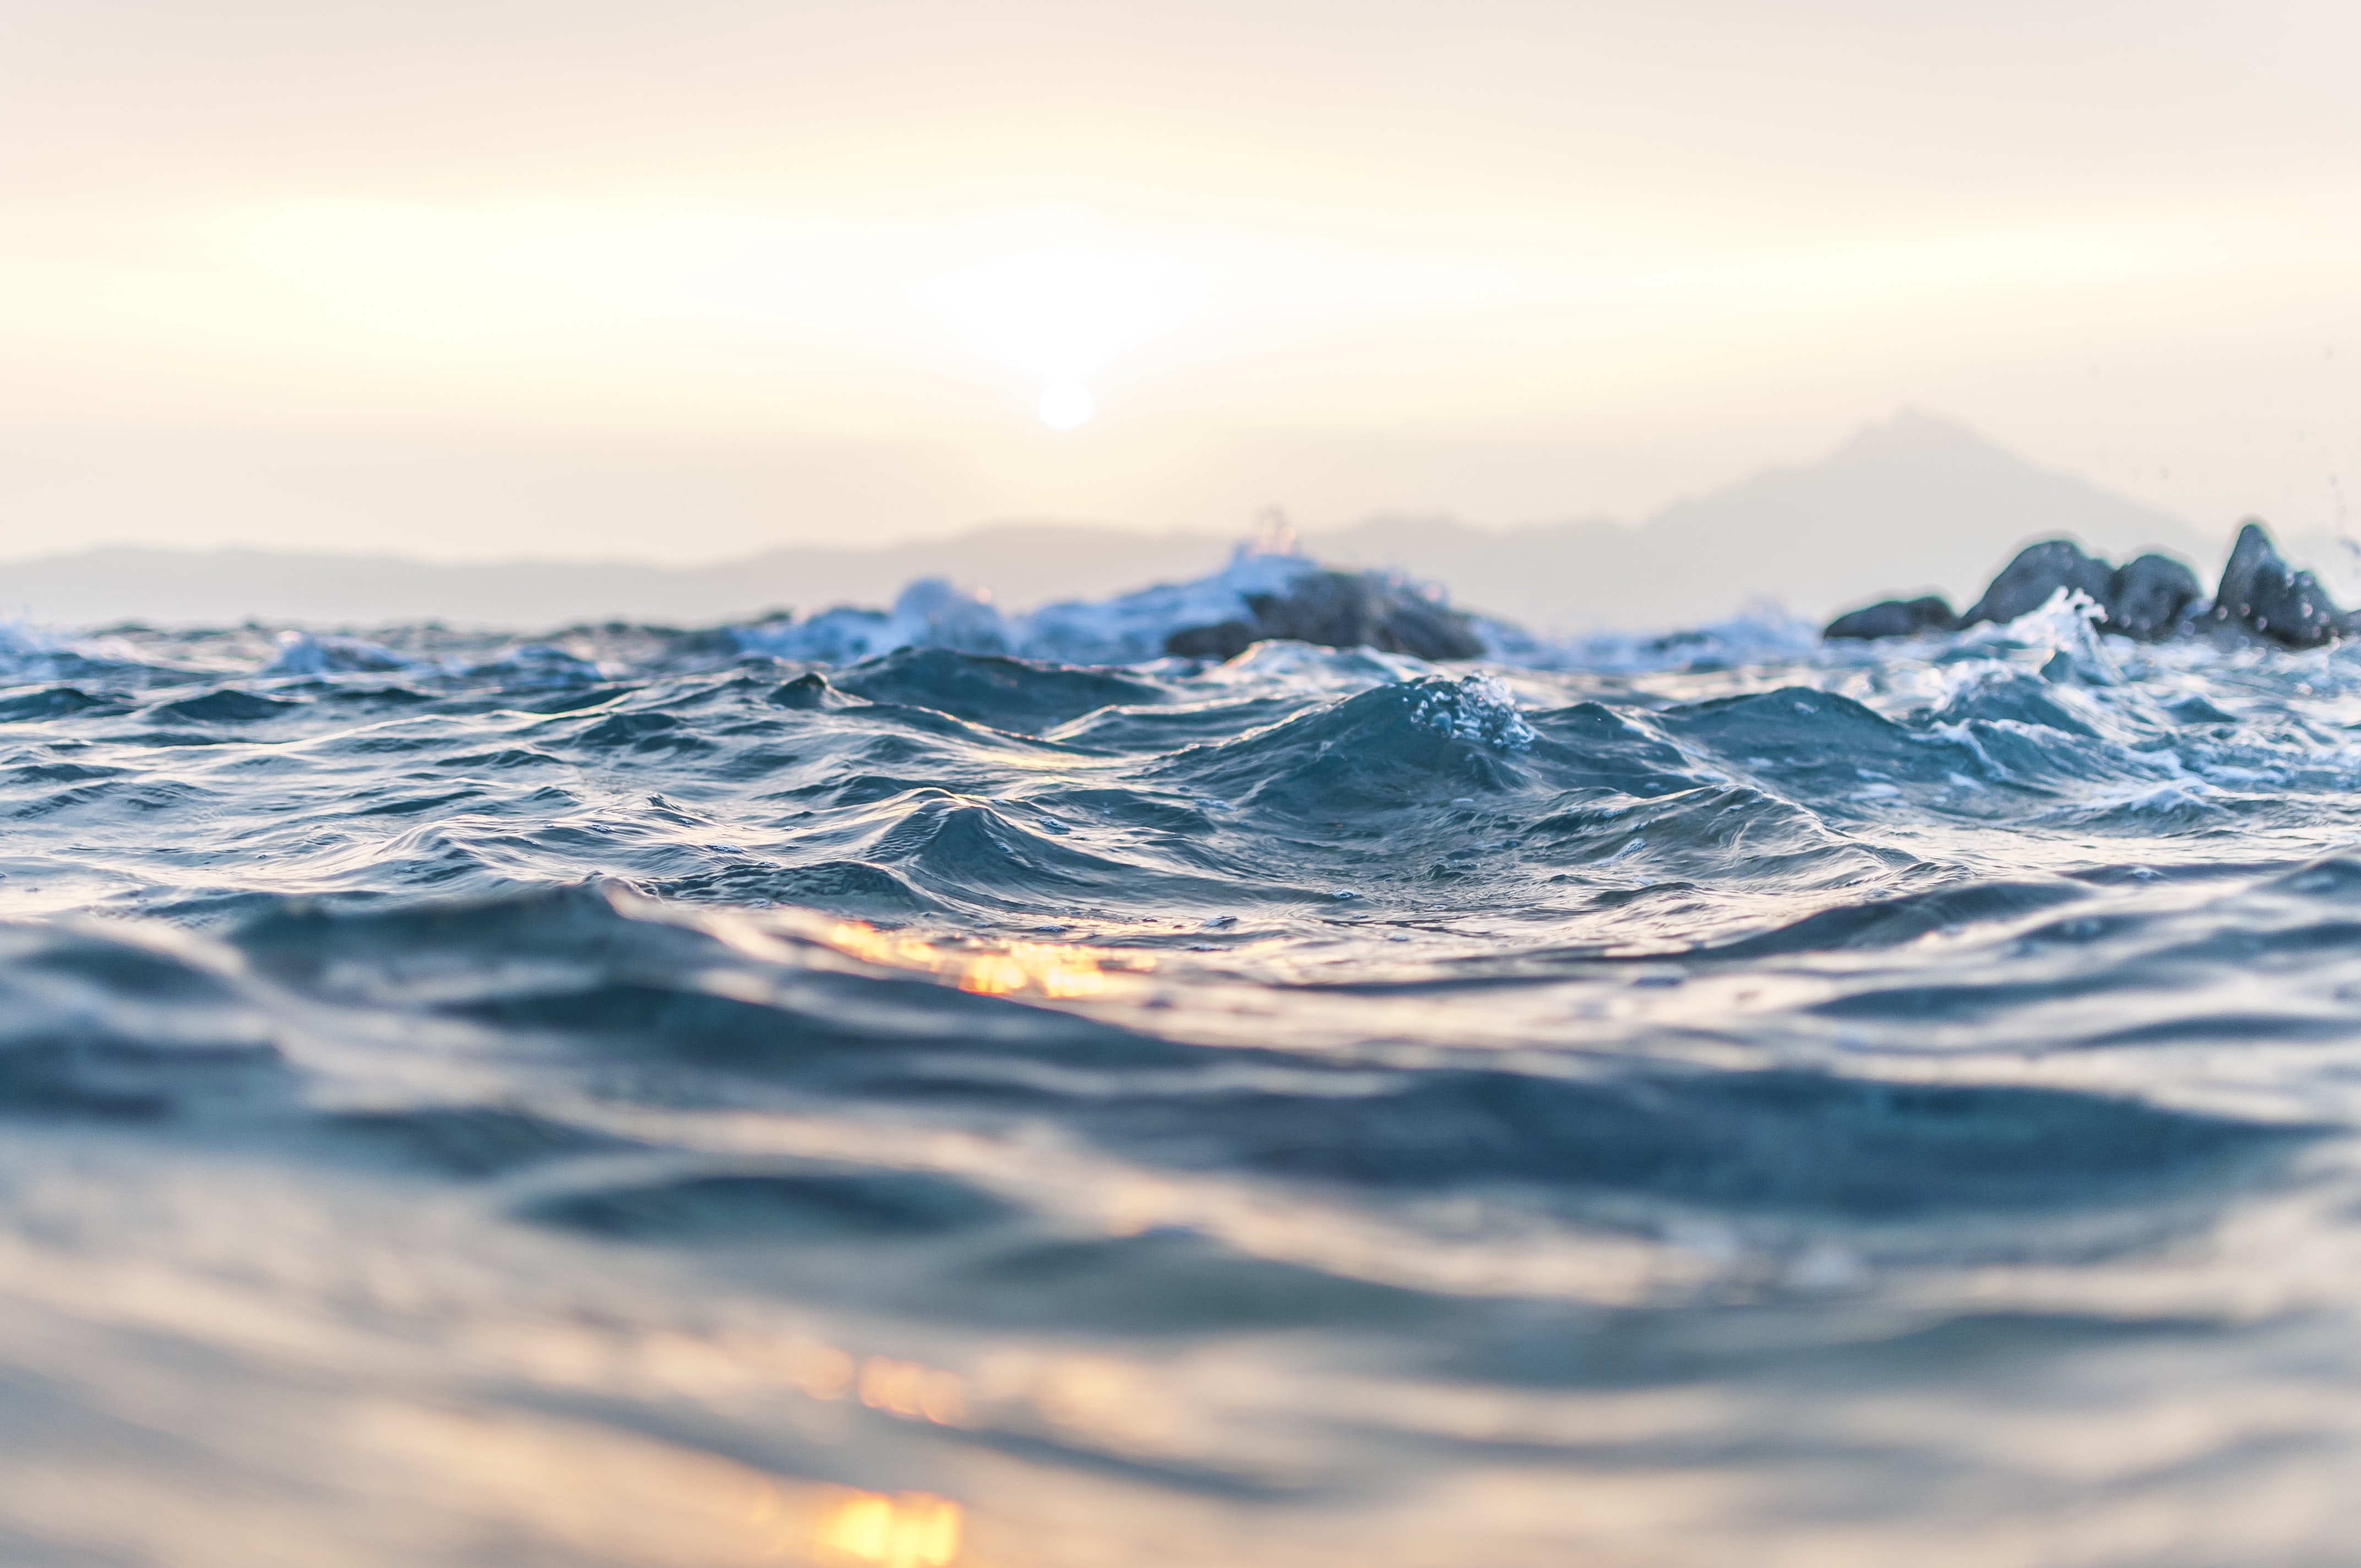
column 1067, row 405
column 1056, row 299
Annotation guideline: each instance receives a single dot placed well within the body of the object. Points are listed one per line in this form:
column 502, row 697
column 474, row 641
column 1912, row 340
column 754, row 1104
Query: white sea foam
column 1478, row 708
column 1130, row 629
column 319, row 653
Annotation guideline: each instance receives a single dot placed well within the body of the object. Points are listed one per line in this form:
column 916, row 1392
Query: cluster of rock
column 2150, row 598
column 1269, row 590
column 1337, row 610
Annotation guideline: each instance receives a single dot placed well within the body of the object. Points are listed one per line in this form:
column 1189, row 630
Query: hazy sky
column 681, row 281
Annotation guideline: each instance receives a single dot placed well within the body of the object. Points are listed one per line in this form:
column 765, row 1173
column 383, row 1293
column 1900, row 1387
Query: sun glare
column 1067, row 404
column 1057, row 300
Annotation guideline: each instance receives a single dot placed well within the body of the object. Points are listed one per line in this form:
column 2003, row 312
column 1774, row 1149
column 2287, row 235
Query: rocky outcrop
column 2263, row 593
column 1896, row 617
column 2146, row 598
column 1222, row 640
column 2039, row 570
column 1337, row 610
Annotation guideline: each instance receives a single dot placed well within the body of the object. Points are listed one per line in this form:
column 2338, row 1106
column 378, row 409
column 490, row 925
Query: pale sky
column 680, row 281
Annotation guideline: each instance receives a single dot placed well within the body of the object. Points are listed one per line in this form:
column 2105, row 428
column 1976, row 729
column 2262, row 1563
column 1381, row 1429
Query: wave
column 954, row 1071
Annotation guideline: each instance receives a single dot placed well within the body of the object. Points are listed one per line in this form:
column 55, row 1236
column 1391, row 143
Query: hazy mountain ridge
column 1058, row 560
column 1912, row 505
column 1915, row 503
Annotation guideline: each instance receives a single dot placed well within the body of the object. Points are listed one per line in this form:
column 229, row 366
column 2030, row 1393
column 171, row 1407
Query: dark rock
column 1342, row 610
column 1222, row 640
column 2144, row 597
column 2039, row 571
column 2264, row 594
column 1338, row 609
column 1894, row 618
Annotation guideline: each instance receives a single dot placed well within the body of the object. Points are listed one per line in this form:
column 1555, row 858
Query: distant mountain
column 1024, row 563
column 1913, row 505
column 1910, row 505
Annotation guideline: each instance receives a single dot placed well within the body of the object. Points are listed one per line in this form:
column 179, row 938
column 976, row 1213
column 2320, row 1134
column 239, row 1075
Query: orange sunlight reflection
column 1051, row 969
column 913, row 1388
column 914, row 1529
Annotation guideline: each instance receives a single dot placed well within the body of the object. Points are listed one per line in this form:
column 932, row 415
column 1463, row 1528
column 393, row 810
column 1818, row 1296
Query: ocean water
column 658, row 1098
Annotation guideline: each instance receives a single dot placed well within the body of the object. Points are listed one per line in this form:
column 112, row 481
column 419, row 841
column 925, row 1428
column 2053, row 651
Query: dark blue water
column 636, row 1099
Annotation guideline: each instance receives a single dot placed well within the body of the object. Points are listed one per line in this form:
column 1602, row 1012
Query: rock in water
column 1340, row 609
column 2039, row 570
column 1337, row 610
column 1896, row 617
column 1221, row 639
column 2264, row 594
column 2145, row 597
column 2148, row 598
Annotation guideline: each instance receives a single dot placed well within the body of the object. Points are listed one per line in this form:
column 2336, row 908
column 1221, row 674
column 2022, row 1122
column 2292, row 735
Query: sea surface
column 639, row 1097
